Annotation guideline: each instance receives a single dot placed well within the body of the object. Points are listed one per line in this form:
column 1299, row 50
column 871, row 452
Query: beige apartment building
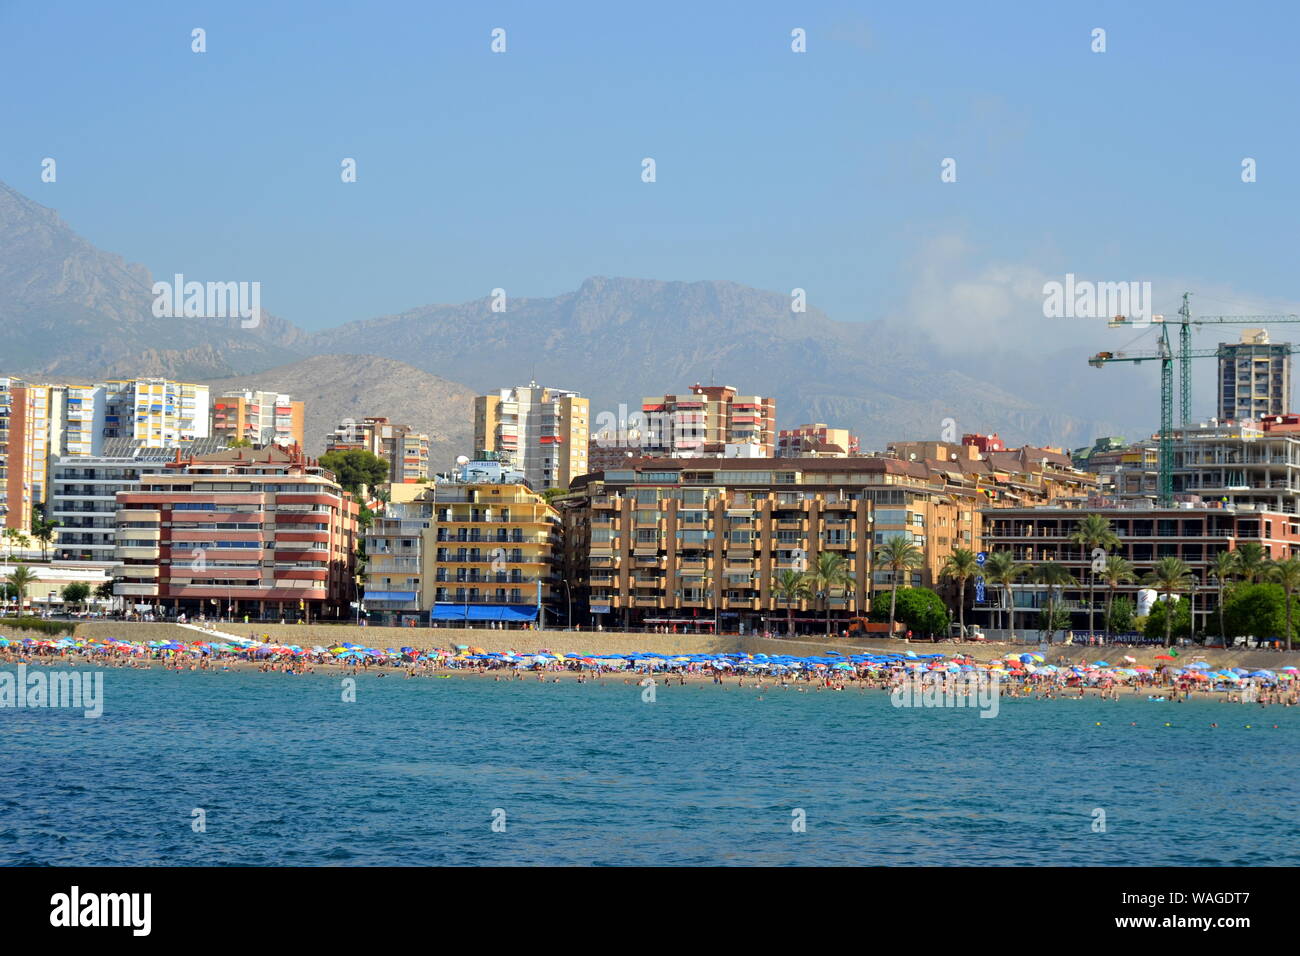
column 700, row 543
column 478, row 545
column 541, row 431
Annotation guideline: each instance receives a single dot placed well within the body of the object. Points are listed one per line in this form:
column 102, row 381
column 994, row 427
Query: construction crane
column 1185, row 323
column 1164, row 354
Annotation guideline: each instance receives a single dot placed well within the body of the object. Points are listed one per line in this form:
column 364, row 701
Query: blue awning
column 484, row 612
column 389, row 596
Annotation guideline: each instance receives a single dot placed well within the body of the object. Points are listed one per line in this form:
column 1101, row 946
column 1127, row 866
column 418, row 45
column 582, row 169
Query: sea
column 266, row 769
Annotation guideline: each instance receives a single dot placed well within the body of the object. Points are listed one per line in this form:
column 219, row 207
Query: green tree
column 1055, row 577
column 1002, row 571
column 239, row 443
column 960, row 566
column 78, row 592
column 105, row 591
column 1093, row 531
column 1256, row 610
column 920, row 609
column 43, row 529
column 1168, row 577
column 1224, row 569
column 1160, row 623
column 831, row 573
column 550, row 494
column 355, row 467
column 899, row 553
column 1251, row 562
column 1287, row 574
column 791, row 587
column 1117, row 571
column 1120, row 616
column 20, row 579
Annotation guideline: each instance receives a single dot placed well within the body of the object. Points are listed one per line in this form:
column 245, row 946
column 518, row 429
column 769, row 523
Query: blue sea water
column 411, row 772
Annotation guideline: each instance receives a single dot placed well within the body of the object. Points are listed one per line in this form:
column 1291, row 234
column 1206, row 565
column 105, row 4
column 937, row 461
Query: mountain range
column 615, row 340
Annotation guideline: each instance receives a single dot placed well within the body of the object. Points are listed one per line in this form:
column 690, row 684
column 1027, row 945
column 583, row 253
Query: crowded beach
column 1014, row 675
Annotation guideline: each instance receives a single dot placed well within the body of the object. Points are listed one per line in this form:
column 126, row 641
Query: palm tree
column 1169, row 576
column 1251, row 563
column 20, row 578
column 1093, row 531
column 1054, row 576
column 1224, row 569
column 961, row 566
column 43, row 531
column 15, row 539
column 899, row 553
column 1001, row 570
column 791, row 586
column 832, row 571
column 1117, row 571
column 1287, row 574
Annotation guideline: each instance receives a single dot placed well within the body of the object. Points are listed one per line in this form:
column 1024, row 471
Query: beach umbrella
column 1131, row 660
column 1199, row 665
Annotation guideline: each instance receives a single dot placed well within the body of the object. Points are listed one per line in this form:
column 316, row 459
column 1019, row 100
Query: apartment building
column 705, row 421
column 151, row 411
column 258, row 417
column 699, row 545
column 83, row 495
column 1254, row 377
column 816, row 440
column 477, row 545
column 1001, row 477
column 496, row 549
column 539, row 430
column 1193, row 531
column 265, row 532
column 43, row 422
column 30, row 425
column 398, row 542
column 405, row 450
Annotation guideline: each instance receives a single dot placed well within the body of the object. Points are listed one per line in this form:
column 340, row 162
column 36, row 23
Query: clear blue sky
column 775, row 169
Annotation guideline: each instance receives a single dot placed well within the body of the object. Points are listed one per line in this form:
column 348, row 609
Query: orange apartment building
column 259, row 417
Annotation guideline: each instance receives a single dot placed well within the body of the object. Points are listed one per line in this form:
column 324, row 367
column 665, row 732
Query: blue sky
column 817, row 170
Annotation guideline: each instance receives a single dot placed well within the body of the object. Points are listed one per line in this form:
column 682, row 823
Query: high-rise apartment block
column 405, row 450
column 705, row 421
column 1254, row 377
column 538, row 430
column 40, row 422
column 259, row 417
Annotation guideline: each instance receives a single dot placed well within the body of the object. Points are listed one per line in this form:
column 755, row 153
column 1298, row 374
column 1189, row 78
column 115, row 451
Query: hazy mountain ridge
column 69, row 310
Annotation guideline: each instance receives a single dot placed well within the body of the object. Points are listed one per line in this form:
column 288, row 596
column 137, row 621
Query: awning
column 483, row 612
column 389, row 596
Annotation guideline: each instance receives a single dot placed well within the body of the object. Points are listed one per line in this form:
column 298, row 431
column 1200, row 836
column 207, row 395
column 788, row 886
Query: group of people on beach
column 1012, row 679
